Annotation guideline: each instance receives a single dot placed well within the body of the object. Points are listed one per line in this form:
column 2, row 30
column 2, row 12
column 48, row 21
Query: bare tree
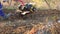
column 48, row 4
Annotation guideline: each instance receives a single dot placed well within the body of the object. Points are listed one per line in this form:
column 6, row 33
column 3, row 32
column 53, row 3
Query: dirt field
column 32, row 22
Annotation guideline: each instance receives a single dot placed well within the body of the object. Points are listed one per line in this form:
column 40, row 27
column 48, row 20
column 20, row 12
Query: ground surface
column 21, row 26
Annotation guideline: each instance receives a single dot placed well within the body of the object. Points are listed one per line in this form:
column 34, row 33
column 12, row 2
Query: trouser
column 2, row 14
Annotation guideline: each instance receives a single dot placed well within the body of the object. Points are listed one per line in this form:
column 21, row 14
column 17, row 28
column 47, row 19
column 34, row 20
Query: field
column 40, row 22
